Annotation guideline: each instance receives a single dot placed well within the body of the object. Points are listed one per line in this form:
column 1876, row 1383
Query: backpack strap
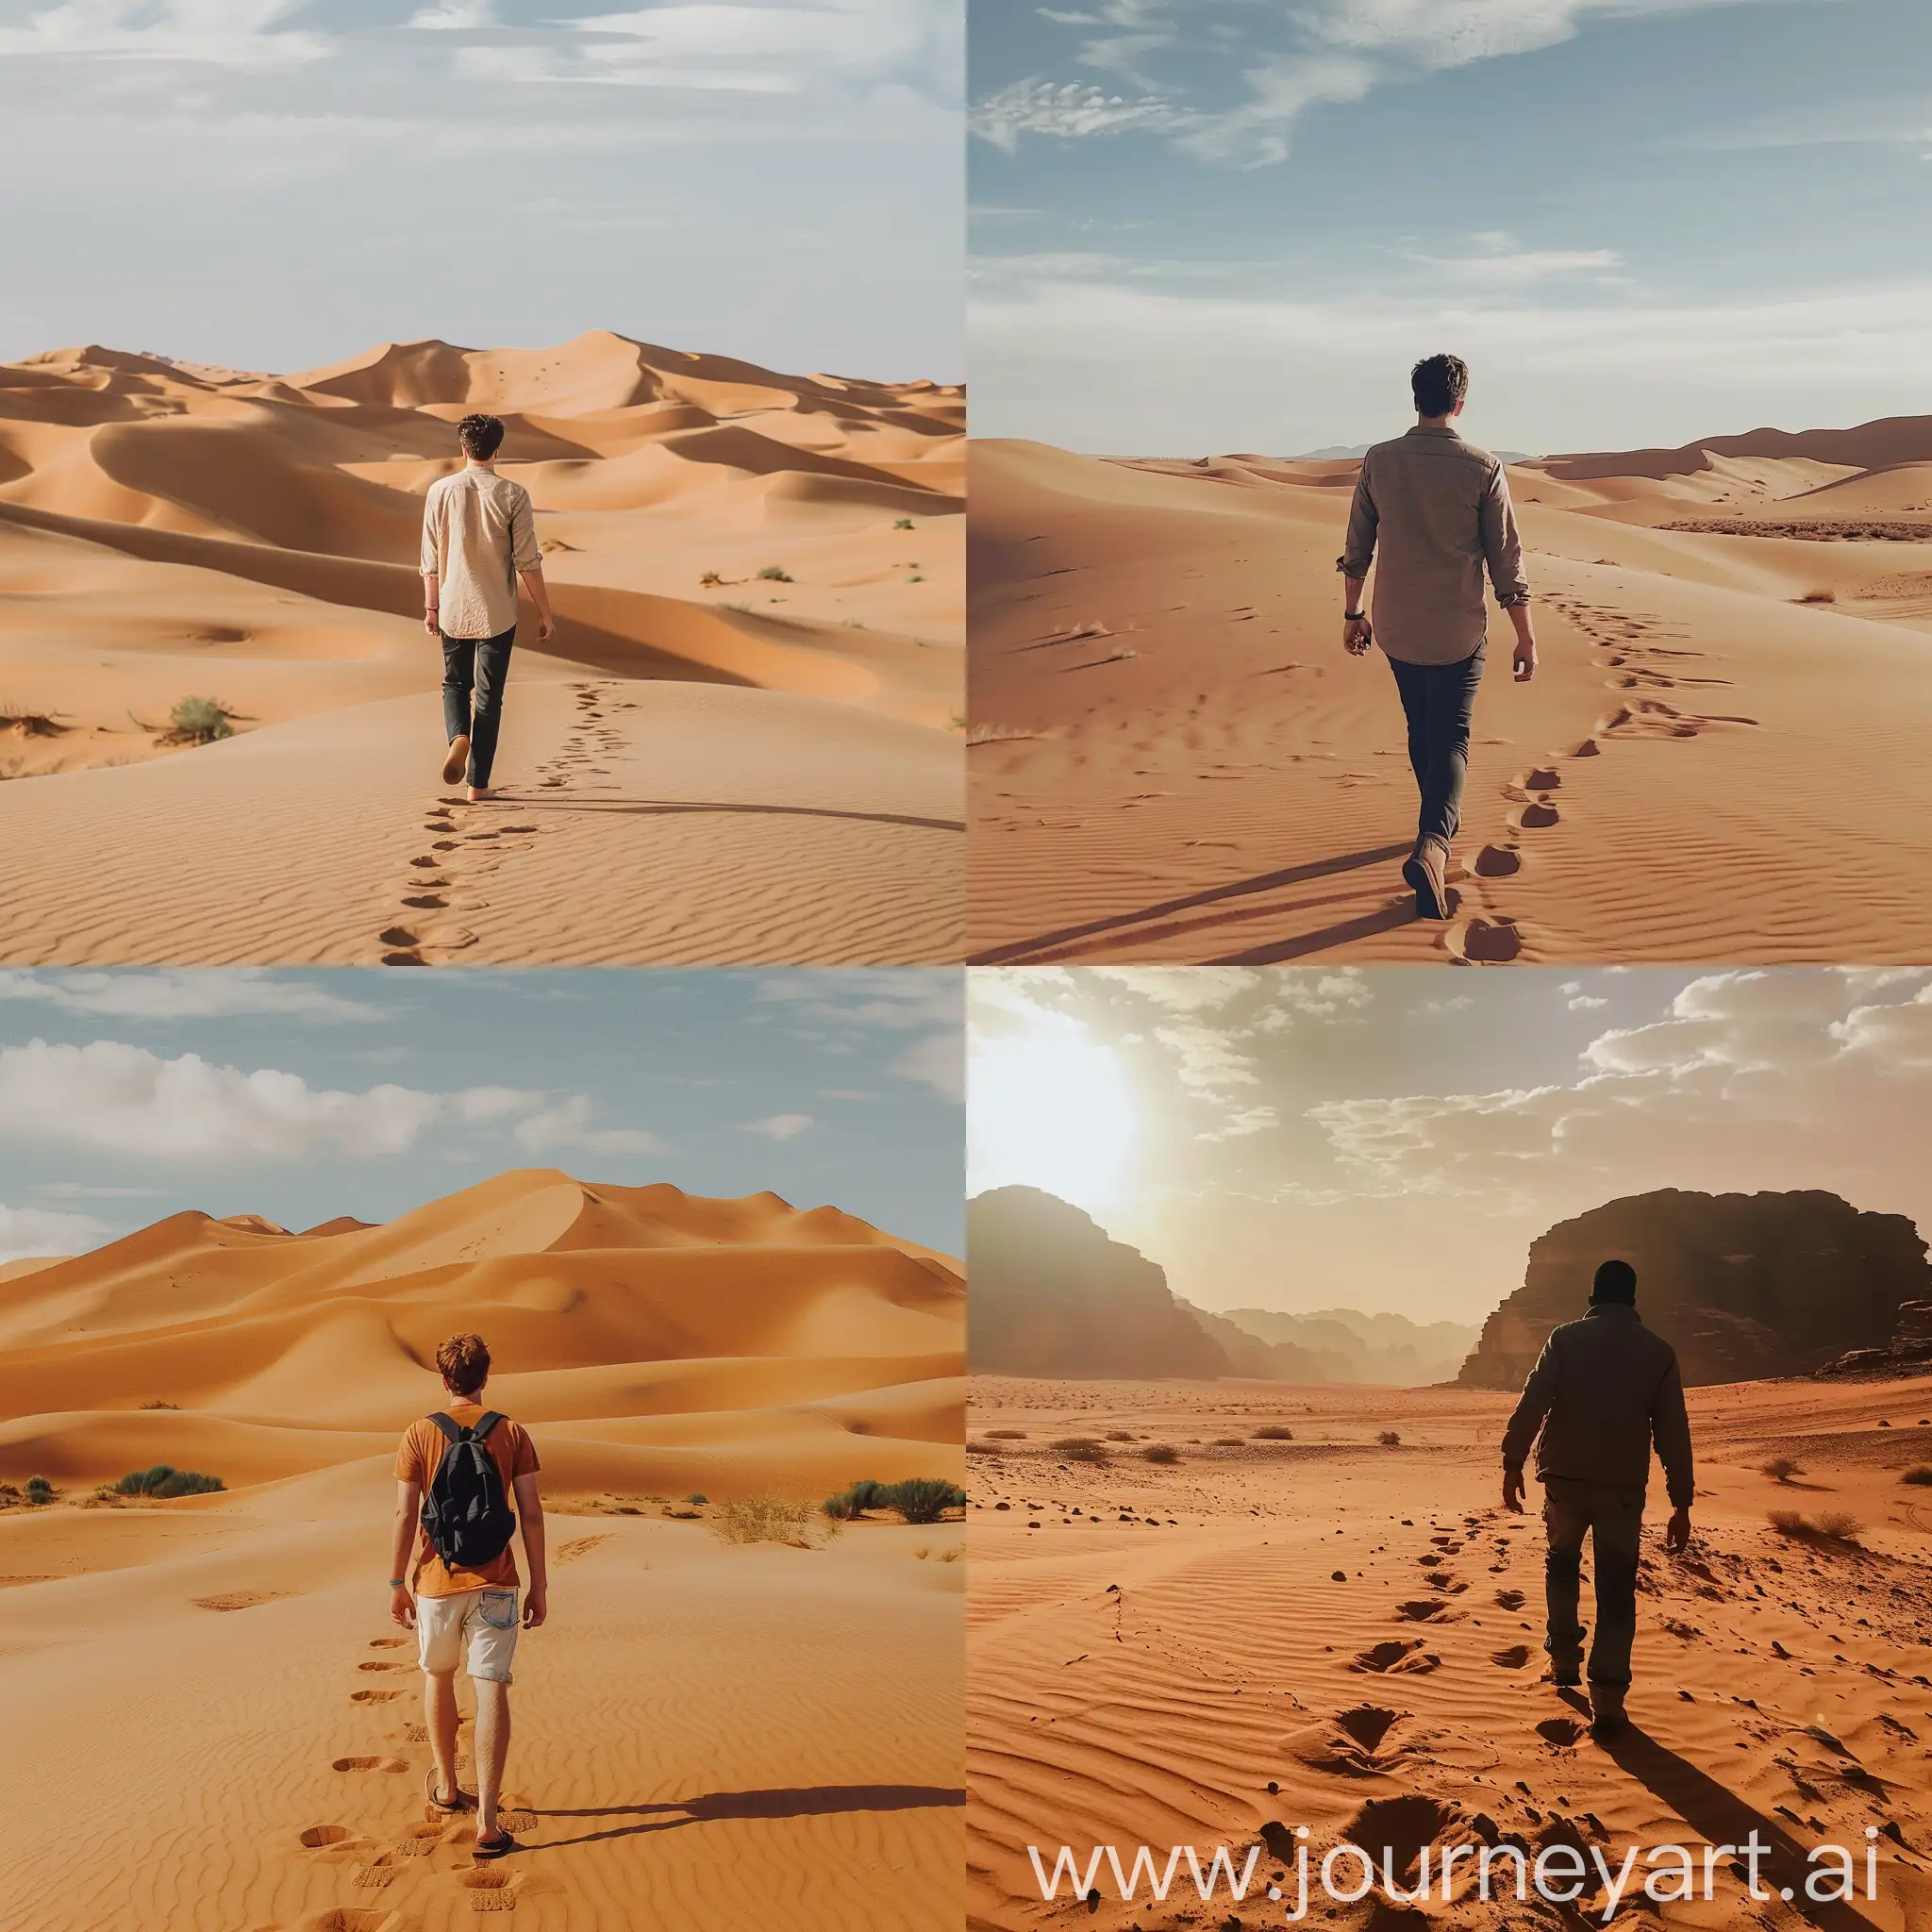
column 484, row 1424
column 452, row 1429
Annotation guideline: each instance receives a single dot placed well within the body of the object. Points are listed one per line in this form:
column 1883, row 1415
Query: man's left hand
column 1525, row 661
column 1677, row 1532
column 1357, row 634
column 431, row 624
column 546, row 626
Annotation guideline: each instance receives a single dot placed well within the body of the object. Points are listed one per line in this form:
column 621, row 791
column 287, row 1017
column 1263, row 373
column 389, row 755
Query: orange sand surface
column 212, row 1721
column 749, row 704
column 1199, row 1670
column 1722, row 755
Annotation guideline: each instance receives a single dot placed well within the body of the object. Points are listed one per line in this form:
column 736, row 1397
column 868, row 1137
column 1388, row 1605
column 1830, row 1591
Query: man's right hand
column 402, row 1607
column 1357, row 634
column 1677, row 1532
column 1512, row 1490
column 1524, row 662
column 430, row 624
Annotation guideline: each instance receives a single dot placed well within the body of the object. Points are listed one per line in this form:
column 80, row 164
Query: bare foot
column 479, row 792
column 457, row 762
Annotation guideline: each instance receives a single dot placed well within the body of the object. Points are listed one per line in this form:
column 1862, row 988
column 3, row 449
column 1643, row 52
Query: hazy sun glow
column 1048, row 1107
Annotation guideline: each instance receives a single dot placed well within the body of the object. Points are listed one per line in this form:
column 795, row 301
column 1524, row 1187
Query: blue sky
column 275, row 184
column 302, row 1095
column 1394, row 1139
column 1232, row 225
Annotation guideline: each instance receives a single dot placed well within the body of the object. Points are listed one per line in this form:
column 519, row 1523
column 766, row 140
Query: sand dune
column 1341, row 1634
column 704, row 1733
column 1172, row 760
column 168, row 531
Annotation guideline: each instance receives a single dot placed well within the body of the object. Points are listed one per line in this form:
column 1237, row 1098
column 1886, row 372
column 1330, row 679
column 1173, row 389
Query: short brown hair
column 480, row 435
column 1439, row 383
column 464, row 1360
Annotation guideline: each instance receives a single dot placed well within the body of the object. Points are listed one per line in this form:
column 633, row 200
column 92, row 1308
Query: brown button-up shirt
column 1439, row 508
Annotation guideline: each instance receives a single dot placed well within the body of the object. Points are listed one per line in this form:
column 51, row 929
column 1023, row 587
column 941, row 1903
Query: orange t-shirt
column 421, row 1449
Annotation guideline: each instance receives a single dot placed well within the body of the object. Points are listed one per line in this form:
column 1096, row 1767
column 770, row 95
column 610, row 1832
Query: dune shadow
column 1290, row 876
column 810, row 1801
column 1725, row 1819
column 647, row 807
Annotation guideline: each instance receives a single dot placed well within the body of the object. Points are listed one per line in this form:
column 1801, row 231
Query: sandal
column 501, row 1846
column 447, row 1806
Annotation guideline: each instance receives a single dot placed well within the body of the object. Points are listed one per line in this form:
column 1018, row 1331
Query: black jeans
column 1438, row 701
column 1613, row 1520
column 475, row 666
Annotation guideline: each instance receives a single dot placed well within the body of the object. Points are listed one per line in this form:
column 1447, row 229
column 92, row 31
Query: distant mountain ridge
column 1054, row 1294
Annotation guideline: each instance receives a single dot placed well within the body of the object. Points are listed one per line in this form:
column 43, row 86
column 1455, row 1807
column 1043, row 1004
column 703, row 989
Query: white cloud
column 780, row 1126
column 1184, row 989
column 838, row 1010
column 125, row 1099
column 1518, row 268
column 454, row 16
column 203, row 993
column 479, row 1105
column 1207, row 1063
column 221, row 33
column 1279, row 93
column 1068, row 110
column 567, row 1124
column 1454, row 33
column 1586, row 1002
column 1244, row 1120
column 938, row 1061
column 26, row 1231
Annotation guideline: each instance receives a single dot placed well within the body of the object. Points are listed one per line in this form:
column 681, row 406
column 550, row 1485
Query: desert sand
column 1722, row 756
column 1344, row 1634
column 740, row 745
column 212, row 1721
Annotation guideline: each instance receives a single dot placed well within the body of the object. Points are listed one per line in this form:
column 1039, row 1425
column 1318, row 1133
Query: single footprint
column 1367, row 1724
column 490, row 1891
column 1541, row 778
column 1512, row 1660
column 517, row 1820
column 347, row 1919
column 1498, row 862
column 319, row 1835
column 425, row 901
column 1509, row 1599
column 379, row 1664
column 376, row 1696
column 390, row 1764
column 1533, row 816
column 1422, row 1609
column 1484, row 942
column 387, row 1642
column 384, row 1869
column 1559, row 1731
column 419, row 1841
column 1584, row 748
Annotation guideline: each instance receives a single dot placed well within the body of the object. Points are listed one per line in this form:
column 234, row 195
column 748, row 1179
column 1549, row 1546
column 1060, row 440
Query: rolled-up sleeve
column 1502, row 544
column 430, row 564
column 524, row 554
column 1358, row 546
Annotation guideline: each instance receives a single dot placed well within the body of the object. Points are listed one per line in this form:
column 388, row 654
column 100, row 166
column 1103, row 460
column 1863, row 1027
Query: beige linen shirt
column 1439, row 510
column 477, row 533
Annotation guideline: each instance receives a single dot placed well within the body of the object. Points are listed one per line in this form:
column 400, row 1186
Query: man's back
column 1435, row 510
column 478, row 531
column 1602, row 1390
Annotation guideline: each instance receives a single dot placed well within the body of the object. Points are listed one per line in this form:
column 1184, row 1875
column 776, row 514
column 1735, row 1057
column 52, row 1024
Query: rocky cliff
column 1744, row 1285
column 1053, row 1295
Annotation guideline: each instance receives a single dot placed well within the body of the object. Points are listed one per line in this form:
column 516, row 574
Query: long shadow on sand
column 1725, row 1819
column 647, row 807
column 812, row 1801
column 1295, row 874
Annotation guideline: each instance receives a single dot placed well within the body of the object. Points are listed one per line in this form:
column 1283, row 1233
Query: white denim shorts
column 475, row 1629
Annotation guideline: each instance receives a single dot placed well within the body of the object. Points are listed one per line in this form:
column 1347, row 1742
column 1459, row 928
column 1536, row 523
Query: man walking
column 455, row 1472
column 1602, row 1390
column 1439, row 508
column 479, row 536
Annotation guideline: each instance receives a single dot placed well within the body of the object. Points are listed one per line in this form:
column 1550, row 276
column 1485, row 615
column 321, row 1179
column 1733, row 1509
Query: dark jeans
column 1613, row 1520
column 475, row 666
column 1438, row 701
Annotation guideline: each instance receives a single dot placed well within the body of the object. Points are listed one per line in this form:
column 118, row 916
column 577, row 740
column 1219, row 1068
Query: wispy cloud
column 205, row 993
column 30, row 1231
column 780, row 1126
column 218, row 33
column 570, row 1125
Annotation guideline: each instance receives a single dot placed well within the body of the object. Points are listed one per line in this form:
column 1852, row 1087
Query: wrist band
column 397, row 1582
column 1353, row 616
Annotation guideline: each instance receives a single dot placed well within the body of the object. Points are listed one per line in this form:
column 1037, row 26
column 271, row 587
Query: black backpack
column 466, row 1515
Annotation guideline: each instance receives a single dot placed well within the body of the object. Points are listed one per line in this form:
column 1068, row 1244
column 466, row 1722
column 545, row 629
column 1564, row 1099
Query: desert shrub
column 1008, row 1434
column 761, row 1520
column 1824, row 595
column 165, row 1481
column 1390, row 1439
column 698, row 1498
column 711, row 580
column 904, row 524
column 39, row 1490
column 1833, row 1526
column 1782, row 1469
column 159, row 1402
column 1919, row 1475
column 1275, row 1433
column 199, row 721
column 773, row 574
column 1120, row 1435
column 1080, row 1449
column 924, row 1498
column 849, row 1505
column 1230, row 1442
column 1161, row 1452
column 983, row 1449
